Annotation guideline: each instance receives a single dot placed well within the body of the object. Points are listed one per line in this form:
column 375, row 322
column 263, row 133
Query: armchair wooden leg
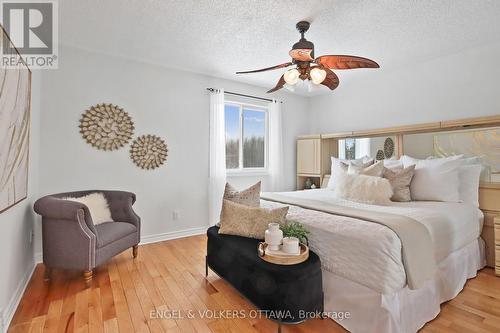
column 135, row 250
column 48, row 273
column 87, row 277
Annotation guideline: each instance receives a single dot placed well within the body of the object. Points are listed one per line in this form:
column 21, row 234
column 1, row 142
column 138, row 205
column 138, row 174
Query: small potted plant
column 295, row 229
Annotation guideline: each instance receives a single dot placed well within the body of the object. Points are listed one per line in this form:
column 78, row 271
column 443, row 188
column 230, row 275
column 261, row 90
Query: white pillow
column 468, row 174
column 408, row 160
column 393, row 163
column 361, row 188
column 336, row 165
column 436, row 181
column 472, row 160
column 469, row 183
column 97, row 205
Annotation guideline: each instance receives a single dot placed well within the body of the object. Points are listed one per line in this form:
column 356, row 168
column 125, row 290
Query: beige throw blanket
column 416, row 242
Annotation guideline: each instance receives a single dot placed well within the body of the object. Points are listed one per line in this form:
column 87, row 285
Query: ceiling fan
column 318, row 70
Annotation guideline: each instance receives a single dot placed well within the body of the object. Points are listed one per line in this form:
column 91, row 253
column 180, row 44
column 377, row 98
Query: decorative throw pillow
column 248, row 197
column 375, row 170
column 339, row 165
column 400, row 179
column 362, row 188
column 97, row 205
column 252, row 222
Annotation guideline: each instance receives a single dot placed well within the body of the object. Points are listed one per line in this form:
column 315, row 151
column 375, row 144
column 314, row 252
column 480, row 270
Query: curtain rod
column 243, row 95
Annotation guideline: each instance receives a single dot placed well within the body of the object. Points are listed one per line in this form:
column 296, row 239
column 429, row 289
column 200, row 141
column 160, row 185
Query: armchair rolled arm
column 60, row 209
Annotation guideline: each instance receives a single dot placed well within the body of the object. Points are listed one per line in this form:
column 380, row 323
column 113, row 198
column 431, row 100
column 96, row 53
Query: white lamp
column 292, row 76
column 318, row 75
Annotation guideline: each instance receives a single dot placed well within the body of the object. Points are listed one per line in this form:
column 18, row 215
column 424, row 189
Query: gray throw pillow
column 375, row 170
column 400, row 180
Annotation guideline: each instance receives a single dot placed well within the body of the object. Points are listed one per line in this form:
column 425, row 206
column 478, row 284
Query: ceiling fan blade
column 279, row 85
column 331, row 80
column 286, row 64
column 301, row 54
column 345, row 62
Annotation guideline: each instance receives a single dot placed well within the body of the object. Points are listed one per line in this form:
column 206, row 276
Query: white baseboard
column 173, row 235
column 11, row 308
column 155, row 238
column 38, row 258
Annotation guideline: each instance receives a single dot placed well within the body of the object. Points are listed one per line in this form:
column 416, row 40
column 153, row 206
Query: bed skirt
column 360, row 309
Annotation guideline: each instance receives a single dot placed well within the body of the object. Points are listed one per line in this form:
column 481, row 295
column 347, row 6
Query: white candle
column 291, row 245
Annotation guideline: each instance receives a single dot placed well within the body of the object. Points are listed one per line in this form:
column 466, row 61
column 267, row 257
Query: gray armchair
column 72, row 241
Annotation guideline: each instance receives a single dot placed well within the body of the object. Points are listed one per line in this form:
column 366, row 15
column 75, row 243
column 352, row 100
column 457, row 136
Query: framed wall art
column 15, row 98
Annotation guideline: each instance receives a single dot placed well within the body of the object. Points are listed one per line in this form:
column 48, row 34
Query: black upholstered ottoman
column 289, row 291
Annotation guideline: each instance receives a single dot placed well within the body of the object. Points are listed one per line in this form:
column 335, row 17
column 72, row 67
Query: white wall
column 174, row 105
column 17, row 224
column 167, row 102
column 461, row 85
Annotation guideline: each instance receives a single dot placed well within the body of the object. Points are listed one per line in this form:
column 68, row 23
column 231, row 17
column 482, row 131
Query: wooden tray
column 284, row 259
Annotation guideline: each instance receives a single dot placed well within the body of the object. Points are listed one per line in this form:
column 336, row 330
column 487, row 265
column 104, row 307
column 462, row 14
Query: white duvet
column 369, row 253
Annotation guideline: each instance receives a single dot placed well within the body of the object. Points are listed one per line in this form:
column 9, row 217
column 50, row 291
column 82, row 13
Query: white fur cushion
column 362, row 188
column 97, row 205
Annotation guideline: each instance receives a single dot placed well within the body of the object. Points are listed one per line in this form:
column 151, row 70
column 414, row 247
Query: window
column 246, row 137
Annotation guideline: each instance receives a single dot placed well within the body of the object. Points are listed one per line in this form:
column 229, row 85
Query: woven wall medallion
column 148, row 151
column 380, row 155
column 106, row 126
column 388, row 148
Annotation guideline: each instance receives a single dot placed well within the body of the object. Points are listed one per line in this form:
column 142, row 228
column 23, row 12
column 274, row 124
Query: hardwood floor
column 129, row 295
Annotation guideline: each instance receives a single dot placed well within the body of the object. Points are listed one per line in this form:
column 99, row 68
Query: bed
column 364, row 277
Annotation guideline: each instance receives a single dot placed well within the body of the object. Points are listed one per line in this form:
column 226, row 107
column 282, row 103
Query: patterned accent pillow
column 248, row 197
column 252, row 222
column 400, row 180
column 375, row 170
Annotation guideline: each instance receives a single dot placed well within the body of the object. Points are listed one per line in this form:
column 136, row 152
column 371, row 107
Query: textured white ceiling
column 220, row 37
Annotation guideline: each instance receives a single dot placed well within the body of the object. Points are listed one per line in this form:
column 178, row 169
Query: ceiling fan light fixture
column 317, row 75
column 292, row 76
column 313, row 71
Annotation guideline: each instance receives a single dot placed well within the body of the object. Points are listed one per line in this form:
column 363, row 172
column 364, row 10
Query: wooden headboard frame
column 489, row 193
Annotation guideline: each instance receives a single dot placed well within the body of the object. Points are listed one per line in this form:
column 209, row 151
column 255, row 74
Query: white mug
column 291, row 245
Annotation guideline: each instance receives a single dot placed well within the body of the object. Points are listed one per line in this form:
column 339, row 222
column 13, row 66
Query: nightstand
column 497, row 245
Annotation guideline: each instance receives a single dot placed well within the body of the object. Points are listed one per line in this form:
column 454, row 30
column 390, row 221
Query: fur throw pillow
column 362, row 188
column 252, row 222
column 97, row 205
